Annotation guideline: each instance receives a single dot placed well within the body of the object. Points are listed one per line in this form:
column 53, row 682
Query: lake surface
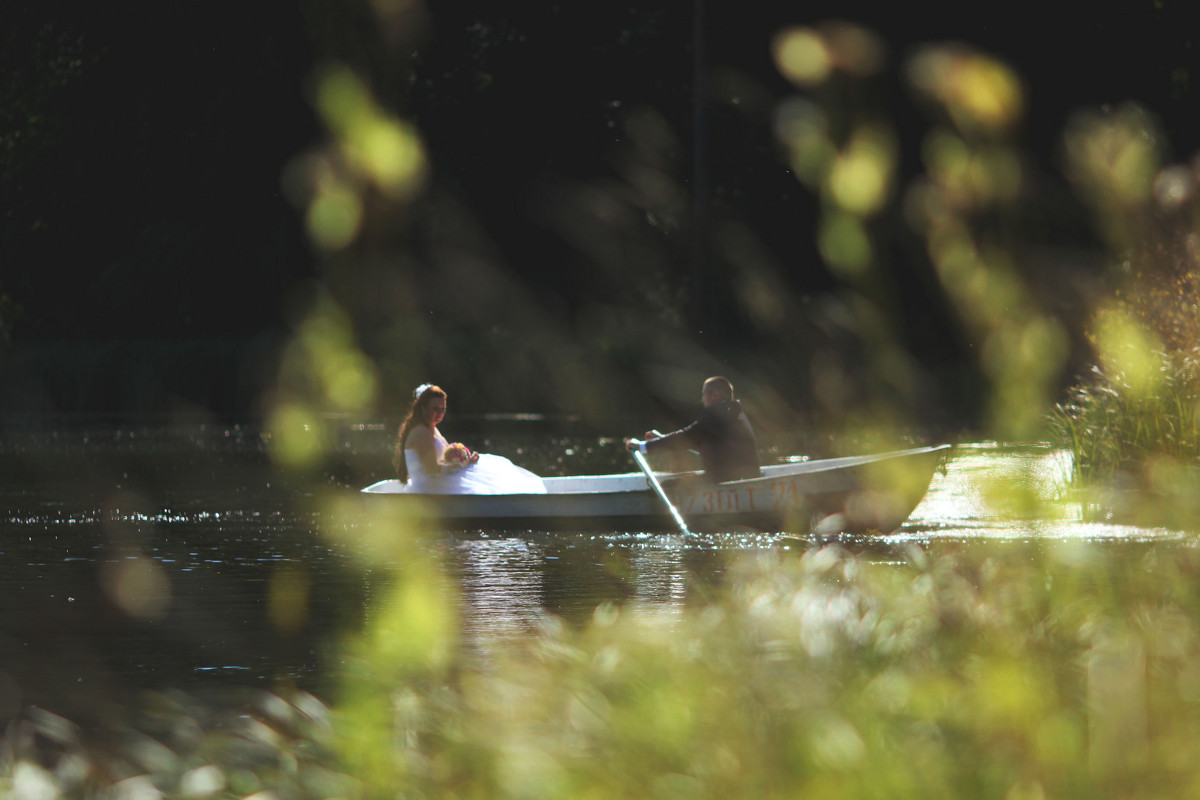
column 134, row 558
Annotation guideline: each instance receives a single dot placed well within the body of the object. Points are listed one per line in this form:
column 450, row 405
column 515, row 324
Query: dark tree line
column 141, row 167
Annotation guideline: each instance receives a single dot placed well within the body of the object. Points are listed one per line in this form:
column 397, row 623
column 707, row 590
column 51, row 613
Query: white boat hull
column 870, row 493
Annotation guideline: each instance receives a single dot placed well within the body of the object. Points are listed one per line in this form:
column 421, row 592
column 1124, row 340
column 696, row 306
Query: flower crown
column 420, row 390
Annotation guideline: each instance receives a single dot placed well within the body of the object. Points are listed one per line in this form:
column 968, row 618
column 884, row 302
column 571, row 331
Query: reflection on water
column 991, row 491
column 232, row 581
column 510, row 584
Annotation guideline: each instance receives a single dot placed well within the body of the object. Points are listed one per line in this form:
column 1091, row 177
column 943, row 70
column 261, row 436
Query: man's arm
column 688, row 437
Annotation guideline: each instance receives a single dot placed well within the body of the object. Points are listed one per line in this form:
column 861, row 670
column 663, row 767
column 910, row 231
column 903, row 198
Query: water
column 990, row 492
column 178, row 557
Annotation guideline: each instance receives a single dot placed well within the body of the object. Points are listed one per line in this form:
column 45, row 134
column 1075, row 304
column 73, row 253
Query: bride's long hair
column 422, row 397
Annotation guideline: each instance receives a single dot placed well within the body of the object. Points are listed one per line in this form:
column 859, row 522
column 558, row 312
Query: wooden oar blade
column 654, row 484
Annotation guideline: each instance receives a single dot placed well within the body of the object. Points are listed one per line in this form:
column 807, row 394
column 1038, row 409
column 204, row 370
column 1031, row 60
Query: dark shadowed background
column 579, row 215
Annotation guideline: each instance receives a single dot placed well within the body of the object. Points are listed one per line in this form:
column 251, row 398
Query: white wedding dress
column 489, row 475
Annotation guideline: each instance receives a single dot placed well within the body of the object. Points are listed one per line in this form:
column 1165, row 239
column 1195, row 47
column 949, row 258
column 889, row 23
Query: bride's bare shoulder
column 419, row 436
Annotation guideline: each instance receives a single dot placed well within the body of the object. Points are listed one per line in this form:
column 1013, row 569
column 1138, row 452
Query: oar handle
column 640, row 458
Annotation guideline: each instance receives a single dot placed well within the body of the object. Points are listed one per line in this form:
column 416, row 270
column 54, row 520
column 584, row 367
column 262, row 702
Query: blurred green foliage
column 964, row 206
column 1014, row 671
column 262, row 744
column 852, row 378
column 997, row 671
column 1063, row 669
column 1131, row 424
column 991, row 671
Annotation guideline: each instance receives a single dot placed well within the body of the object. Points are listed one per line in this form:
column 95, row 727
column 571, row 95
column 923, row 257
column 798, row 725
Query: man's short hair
column 721, row 385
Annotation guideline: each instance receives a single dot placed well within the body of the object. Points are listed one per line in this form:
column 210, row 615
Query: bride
column 421, row 458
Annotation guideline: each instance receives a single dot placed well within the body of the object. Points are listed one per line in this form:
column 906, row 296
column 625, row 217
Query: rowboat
column 852, row 494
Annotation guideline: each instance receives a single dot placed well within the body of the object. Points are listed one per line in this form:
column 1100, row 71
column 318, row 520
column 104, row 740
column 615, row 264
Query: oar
column 641, row 460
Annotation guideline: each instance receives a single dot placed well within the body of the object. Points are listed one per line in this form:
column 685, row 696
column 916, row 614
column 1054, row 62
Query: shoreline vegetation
column 1136, row 448
column 1132, row 423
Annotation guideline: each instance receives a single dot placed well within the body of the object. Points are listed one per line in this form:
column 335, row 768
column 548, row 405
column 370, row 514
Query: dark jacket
column 726, row 442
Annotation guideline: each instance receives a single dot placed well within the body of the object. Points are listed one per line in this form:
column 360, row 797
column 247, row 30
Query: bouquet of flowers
column 457, row 455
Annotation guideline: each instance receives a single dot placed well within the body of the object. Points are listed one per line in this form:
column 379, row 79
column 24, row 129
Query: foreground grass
column 1006, row 671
